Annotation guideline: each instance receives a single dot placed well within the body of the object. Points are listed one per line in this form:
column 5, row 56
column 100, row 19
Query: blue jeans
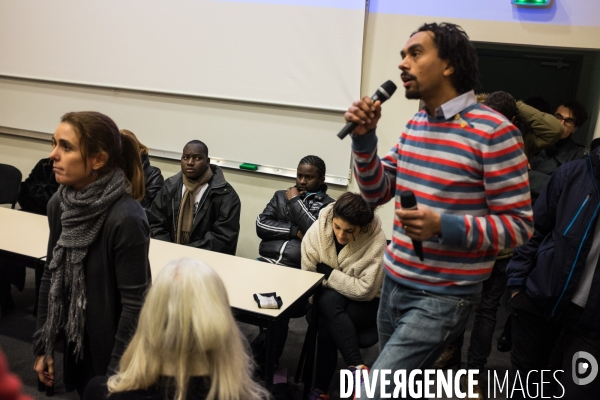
column 416, row 326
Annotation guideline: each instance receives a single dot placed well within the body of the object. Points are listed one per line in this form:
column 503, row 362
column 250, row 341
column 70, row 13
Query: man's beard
column 412, row 94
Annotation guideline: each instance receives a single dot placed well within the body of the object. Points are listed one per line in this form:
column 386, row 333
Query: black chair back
column 10, row 179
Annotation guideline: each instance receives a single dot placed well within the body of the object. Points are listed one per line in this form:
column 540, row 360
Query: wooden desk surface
column 242, row 277
column 23, row 233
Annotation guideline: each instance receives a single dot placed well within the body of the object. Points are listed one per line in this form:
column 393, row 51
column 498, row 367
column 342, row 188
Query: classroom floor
column 17, row 328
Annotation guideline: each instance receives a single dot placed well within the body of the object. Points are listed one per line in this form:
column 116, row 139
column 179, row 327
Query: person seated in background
column 281, row 226
column 346, row 244
column 152, row 175
column 571, row 115
column 290, row 213
column 38, row 188
column 539, row 129
column 197, row 207
column 553, row 279
column 186, row 345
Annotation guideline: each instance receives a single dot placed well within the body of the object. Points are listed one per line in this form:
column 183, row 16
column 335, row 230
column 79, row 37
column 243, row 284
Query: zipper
column 576, row 215
column 582, row 240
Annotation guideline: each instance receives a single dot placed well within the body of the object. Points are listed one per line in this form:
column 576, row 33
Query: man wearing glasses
column 571, row 115
column 197, row 207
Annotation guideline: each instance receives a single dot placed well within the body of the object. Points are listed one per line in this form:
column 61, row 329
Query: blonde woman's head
column 186, row 329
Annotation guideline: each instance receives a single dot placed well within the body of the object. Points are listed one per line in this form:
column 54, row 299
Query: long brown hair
column 141, row 146
column 98, row 133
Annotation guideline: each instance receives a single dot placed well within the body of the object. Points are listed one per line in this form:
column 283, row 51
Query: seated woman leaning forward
column 346, row 244
column 186, row 346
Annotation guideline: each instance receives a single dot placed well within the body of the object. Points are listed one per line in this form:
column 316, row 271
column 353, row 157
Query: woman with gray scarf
column 97, row 268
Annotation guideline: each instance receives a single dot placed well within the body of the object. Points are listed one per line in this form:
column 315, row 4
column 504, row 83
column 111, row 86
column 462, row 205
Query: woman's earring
column 94, row 173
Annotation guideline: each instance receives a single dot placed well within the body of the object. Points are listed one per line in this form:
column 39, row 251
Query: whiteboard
column 262, row 82
column 286, row 54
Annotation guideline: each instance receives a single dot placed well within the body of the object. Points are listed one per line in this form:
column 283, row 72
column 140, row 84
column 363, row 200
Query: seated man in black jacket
column 281, row 226
column 290, row 213
column 38, row 188
column 197, row 207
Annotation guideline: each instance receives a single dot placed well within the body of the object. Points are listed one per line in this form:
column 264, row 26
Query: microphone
column 409, row 202
column 383, row 92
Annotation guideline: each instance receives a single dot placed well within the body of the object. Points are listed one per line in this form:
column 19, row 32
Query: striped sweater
column 470, row 168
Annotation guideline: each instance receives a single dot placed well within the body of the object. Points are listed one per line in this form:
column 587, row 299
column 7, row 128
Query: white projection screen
column 280, row 69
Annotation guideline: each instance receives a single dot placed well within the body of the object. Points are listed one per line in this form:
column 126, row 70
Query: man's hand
column 420, row 224
column 291, row 193
column 44, row 370
column 365, row 113
column 299, row 234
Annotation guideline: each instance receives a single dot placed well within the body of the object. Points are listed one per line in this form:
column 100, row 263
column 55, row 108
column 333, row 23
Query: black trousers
column 339, row 321
column 539, row 344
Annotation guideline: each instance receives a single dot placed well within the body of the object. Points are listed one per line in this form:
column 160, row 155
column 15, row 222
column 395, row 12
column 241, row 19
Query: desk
column 24, row 236
column 244, row 277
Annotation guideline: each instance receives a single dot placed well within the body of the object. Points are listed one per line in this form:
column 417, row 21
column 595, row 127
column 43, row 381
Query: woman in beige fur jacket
column 346, row 244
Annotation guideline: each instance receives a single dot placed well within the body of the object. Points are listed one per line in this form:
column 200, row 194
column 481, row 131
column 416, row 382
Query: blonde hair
column 140, row 145
column 185, row 329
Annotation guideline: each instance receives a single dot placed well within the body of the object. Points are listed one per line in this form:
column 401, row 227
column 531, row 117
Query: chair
column 10, row 179
column 367, row 338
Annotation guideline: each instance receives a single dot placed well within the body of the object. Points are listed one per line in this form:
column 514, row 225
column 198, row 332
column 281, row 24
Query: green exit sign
column 532, row 2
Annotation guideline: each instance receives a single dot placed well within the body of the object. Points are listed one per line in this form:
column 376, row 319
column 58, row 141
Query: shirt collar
column 450, row 108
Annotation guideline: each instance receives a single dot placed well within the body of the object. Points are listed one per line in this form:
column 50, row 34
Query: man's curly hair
column 453, row 44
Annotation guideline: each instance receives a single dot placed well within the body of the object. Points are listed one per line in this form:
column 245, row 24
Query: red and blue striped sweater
column 470, row 168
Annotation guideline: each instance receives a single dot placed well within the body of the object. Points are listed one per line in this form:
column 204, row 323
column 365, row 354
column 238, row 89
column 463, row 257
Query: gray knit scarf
column 83, row 215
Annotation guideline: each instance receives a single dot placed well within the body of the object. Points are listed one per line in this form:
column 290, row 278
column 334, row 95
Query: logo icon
column 584, row 363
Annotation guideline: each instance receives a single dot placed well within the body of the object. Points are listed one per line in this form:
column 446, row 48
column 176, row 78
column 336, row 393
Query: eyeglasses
column 569, row 122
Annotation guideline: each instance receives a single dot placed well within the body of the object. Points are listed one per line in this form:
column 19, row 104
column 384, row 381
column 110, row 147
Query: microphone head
column 407, row 199
column 385, row 91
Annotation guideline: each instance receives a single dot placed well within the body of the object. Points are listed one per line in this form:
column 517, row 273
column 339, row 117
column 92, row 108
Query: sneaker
column 317, row 394
column 477, row 389
column 353, row 369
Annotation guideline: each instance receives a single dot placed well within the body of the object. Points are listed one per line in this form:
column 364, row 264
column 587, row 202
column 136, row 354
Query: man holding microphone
column 466, row 167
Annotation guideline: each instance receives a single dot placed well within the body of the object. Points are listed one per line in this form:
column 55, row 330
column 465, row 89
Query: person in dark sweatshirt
column 38, row 188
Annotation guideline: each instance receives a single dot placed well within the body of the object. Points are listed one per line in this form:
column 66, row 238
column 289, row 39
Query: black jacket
column 544, row 163
column 217, row 222
column 117, row 276
column 551, row 264
column 280, row 221
column 154, row 181
column 38, row 188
